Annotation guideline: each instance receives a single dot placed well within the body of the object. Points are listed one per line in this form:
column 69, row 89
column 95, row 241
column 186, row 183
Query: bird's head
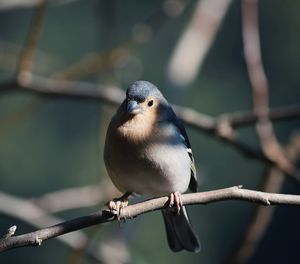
column 143, row 107
column 144, row 98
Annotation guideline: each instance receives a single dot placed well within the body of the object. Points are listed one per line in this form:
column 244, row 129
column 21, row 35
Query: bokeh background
column 50, row 143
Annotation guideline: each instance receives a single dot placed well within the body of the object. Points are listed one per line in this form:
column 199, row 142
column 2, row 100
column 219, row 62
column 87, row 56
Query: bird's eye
column 150, row 103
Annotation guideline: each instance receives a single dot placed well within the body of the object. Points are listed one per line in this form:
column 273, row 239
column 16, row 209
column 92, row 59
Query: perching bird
column 147, row 152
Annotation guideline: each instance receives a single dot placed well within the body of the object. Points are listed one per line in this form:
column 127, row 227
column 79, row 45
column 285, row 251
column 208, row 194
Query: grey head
column 141, row 93
column 141, row 90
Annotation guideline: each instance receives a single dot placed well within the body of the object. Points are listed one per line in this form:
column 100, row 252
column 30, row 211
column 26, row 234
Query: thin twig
column 259, row 222
column 233, row 193
column 196, row 40
column 274, row 178
column 31, row 214
column 194, row 118
column 26, row 56
column 213, row 127
column 108, row 94
column 259, row 84
column 76, row 197
column 114, row 96
column 10, row 232
column 263, row 216
column 283, row 113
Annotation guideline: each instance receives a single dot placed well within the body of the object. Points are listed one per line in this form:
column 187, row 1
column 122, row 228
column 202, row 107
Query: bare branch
column 14, row 4
column 259, row 222
column 10, row 232
column 213, row 127
column 234, row 193
column 196, row 40
column 274, row 178
column 108, row 94
column 263, row 216
column 114, row 96
column 191, row 117
column 77, row 197
column 283, row 113
column 259, row 83
column 25, row 62
column 31, row 214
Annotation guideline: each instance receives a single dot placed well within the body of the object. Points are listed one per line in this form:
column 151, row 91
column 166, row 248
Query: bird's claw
column 175, row 200
column 116, row 205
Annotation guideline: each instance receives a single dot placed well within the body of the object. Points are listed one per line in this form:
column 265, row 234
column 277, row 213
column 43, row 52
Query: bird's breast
column 156, row 166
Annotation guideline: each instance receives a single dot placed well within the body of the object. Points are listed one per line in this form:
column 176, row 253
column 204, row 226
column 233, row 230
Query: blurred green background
column 54, row 143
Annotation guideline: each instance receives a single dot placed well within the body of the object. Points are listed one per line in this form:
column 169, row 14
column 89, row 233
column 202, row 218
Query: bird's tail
column 179, row 231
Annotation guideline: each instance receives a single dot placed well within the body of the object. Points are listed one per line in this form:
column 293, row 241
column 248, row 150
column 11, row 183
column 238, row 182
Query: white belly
column 160, row 170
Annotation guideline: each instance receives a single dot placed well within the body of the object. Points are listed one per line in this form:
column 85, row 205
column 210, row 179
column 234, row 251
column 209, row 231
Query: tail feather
column 180, row 234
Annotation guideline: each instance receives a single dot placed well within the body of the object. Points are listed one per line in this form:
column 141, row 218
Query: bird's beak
column 133, row 107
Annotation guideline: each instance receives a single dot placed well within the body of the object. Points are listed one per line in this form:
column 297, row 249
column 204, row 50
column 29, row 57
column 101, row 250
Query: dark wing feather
column 193, row 181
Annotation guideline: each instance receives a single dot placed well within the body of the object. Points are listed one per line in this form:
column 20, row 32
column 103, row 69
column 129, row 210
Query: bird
column 147, row 152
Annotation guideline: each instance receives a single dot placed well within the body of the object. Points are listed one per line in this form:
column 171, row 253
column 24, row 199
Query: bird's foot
column 175, row 200
column 117, row 204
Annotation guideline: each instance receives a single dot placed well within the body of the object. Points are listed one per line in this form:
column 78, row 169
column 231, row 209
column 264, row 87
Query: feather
column 173, row 118
column 180, row 234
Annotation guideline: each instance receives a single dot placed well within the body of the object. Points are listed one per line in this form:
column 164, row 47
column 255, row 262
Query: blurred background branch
column 273, row 179
column 26, row 56
column 194, row 43
column 259, row 84
column 272, row 182
column 33, row 215
column 77, row 197
column 113, row 95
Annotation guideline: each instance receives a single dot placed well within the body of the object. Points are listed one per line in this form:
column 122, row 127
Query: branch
column 260, row 87
column 219, row 128
column 76, row 197
column 51, row 87
column 259, row 222
column 196, row 40
column 234, row 193
column 283, row 113
column 274, row 178
column 114, row 96
column 263, row 216
column 10, row 232
column 191, row 117
column 26, row 56
column 31, row 214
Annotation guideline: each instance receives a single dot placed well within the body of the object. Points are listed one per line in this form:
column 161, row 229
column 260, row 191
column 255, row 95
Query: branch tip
column 268, row 202
column 10, row 232
column 38, row 241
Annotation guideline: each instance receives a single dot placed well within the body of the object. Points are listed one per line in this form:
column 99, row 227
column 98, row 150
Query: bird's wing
column 173, row 118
